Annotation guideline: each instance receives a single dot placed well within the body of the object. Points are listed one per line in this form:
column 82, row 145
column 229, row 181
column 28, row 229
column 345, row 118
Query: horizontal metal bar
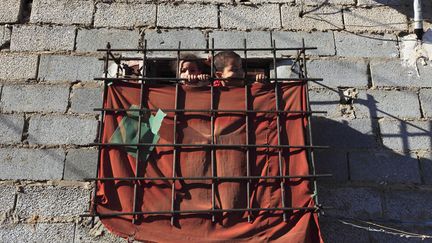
column 175, row 80
column 224, row 178
column 210, row 111
column 212, row 49
column 122, row 58
column 314, row 209
column 208, row 145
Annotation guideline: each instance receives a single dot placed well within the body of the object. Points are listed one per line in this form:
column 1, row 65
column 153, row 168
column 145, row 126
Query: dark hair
column 221, row 57
column 189, row 57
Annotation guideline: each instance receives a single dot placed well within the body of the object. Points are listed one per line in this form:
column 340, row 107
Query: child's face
column 188, row 68
column 233, row 69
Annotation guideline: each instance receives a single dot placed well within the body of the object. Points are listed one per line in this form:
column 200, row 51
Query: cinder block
column 5, row 35
column 49, row 201
column 393, row 73
column 339, row 73
column 426, row 102
column 384, row 167
column 426, row 165
column 31, row 164
column 332, row 162
column 11, row 128
column 10, row 10
column 325, row 100
column 359, row 202
column 342, row 133
column 408, row 205
column 323, row 41
column 271, row 1
column 40, row 232
column 18, row 66
column 62, row 130
column 383, row 2
column 42, row 38
column 91, row 40
column 62, row 11
column 7, row 200
column 406, row 135
column 326, row 17
column 124, row 15
column 32, row 98
column 366, row 45
column 69, row 68
column 83, row 233
column 332, row 2
column 169, row 39
column 203, row 1
column 381, row 19
column 382, row 103
column 235, row 39
column 187, row 15
column 250, row 17
column 84, row 100
column 335, row 231
column 80, row 164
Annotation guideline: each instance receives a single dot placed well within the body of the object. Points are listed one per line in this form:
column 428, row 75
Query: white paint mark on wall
column 414, row 52
column 113, row 68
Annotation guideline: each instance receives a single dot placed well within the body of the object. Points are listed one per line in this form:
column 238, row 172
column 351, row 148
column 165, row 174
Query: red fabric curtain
column 195, row 128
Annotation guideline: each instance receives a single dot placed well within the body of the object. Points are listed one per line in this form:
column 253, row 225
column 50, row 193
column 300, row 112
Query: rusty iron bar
column 212, row 111
column 122, row 58
column 138, row 158
column 213, row 152
column 278, row 127
column 176, row 80
column 248, row 170
column 309, row 125
column 223, row 178
column 175, row 136
column 210, row 49
column 209, row 145
column 211, row 211
column 101, row 126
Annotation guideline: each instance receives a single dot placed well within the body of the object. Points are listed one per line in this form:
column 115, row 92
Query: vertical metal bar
column 138, row 158
column 212, row 153
column 311, row 151
column 175, row 137
column 101, row 126
column 277, row 96
column 247, row 87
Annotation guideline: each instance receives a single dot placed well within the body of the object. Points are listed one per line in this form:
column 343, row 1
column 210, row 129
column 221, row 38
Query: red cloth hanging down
column 194, row 128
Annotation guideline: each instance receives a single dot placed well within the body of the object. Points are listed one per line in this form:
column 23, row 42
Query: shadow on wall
column 354, row 20
column 372, row 182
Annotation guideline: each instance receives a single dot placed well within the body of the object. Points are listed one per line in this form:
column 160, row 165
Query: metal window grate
column 302, row 79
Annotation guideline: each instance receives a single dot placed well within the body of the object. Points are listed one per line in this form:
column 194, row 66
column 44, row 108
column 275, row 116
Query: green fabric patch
column 127, row 132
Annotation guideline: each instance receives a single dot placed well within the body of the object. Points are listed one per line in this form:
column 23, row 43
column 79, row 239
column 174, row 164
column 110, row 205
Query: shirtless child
column 228, row 65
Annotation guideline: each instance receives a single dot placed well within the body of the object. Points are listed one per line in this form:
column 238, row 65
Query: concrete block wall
column 379, row 120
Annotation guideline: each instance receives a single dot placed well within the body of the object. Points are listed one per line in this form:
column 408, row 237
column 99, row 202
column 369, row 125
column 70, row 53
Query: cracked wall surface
column 379, row 121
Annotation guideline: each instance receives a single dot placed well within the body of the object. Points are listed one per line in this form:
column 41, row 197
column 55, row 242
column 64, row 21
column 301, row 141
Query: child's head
column 189, row 64
column 228, row 64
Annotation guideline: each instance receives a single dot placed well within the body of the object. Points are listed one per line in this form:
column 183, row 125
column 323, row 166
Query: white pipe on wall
column 418, row 19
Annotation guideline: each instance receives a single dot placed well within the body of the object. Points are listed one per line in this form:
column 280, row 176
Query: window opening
column 150, row 72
